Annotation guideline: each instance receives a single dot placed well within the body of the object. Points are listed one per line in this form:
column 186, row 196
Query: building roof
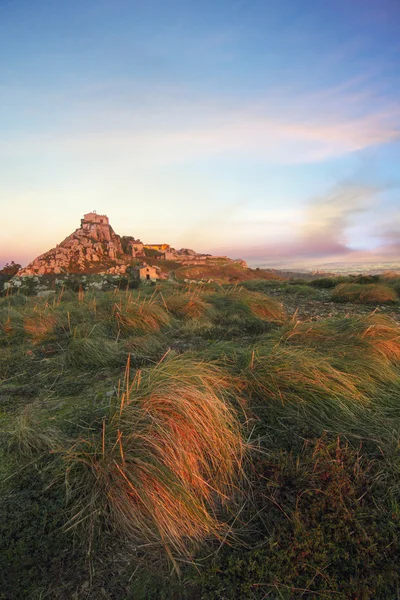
column 93, row 213
column 140, row 267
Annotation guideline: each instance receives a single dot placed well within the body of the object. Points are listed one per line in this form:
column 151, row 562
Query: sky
column 265, row 129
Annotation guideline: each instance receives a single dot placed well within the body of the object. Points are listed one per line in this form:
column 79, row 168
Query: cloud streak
column 152, row 129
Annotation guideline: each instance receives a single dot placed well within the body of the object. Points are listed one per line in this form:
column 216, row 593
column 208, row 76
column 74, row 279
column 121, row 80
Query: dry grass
column 140, row 315
column 188, row 304
column 236, row 299
column 383, row 337
column 286, row 375
column 39, row 325
column 374, row 293
column 162, row 462
column 11, row 322
column 374, row 338
column 367, row 348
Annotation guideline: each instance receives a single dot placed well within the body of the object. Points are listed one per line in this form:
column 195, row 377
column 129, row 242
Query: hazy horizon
column 267, row 132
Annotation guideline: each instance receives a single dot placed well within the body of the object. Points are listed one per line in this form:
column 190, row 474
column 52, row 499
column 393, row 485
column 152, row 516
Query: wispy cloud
column 167, row 126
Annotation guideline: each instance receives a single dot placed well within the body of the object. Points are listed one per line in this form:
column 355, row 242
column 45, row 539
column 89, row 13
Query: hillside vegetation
column 200, row 441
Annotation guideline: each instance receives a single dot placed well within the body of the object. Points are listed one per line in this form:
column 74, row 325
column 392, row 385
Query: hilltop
column 95, row 248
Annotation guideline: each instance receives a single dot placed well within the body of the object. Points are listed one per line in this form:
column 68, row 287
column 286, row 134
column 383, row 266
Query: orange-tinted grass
column 186, row 304
column 295, row 375
column 39, row 325
column 370, row 335
column 373, row 293
column 140, row 316
column 260, row 305
column 163, row 461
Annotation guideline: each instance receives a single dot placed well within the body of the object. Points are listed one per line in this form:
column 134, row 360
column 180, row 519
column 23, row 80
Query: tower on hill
column 93, row 217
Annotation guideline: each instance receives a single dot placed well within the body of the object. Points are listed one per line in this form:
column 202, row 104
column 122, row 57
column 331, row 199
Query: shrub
column 366, row 279
column 327, row 282
column 18, row 299
column 306, row 532
column 35, row 551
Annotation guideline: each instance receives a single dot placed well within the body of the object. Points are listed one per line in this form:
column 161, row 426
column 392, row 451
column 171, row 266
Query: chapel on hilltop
column 93, row 217
column 97, row 226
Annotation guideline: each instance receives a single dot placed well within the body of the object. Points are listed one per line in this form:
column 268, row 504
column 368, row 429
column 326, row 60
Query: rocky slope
column 95, row 248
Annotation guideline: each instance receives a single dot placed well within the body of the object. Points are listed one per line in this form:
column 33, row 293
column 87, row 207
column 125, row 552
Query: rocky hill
column 95, row 248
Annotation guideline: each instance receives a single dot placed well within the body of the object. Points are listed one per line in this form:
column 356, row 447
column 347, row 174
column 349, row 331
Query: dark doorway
column 147, row 276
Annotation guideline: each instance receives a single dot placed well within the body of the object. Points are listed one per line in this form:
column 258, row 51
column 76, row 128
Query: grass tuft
column 140, row 315
column 188, row 305
column 161, row 462
column 373, row 293
column 31, row 434
column 366, row 346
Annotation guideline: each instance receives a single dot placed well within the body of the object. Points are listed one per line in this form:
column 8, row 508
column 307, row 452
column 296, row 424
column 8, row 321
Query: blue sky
column 267, row 130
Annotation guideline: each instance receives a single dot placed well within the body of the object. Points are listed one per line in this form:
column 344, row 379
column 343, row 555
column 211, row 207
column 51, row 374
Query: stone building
column 93, row 217
column 97, row 228
column 135, row 247
column 158, row 247
column 146, row 273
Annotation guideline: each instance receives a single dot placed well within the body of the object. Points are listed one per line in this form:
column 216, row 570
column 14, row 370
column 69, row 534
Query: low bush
column 327, row 282
column 366, row 279
column 306, row 533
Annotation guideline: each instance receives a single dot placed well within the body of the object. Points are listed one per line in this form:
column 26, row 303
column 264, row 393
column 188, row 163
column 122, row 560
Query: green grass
column 260, row 285
column 367, row 347
column 358, row 293
column 240, row 311
column 255, row 455
column 151, row 468
column 300, row 290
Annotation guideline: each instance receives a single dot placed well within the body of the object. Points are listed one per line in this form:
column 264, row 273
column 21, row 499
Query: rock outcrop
column 94, row 247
